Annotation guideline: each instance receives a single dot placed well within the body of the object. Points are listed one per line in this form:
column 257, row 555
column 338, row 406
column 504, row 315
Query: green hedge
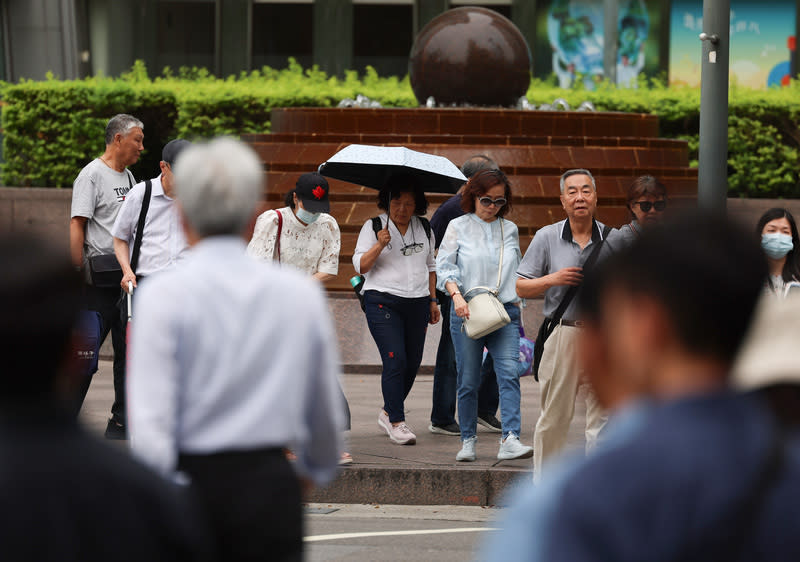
column 52, row 128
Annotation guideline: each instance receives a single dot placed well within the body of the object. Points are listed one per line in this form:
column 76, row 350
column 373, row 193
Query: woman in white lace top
column 304, row 236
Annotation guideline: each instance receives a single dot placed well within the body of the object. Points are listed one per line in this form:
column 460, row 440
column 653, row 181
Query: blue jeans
column 503, row 345
column 398, row 326
column 445, row 376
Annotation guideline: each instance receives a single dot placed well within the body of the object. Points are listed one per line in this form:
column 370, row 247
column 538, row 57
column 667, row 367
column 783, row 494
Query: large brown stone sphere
column 471, row 56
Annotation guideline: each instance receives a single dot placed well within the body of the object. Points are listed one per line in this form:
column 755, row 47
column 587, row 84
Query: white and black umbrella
column 372, row 166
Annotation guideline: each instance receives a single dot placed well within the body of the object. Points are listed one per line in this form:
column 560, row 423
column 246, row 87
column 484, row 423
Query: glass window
column 186, row 34
column 382, row 37
column 281, row 31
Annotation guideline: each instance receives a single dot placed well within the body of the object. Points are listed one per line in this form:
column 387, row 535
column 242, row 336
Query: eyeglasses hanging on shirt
column 413, row 248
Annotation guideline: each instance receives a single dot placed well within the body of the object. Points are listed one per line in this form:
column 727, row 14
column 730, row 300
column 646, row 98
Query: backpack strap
column 377, row 225
column 426, row 226
column 137, row 241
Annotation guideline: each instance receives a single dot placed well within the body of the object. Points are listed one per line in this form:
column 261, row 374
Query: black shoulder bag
column 549, row 324
column 104, row 269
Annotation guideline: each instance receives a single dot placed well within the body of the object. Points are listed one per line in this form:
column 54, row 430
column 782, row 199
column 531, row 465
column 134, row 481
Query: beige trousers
column 560, row 378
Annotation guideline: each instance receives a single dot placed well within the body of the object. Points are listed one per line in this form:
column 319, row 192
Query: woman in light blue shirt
column 469, row 257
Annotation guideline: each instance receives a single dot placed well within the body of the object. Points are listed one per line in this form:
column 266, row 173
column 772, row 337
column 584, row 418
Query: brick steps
column 533, row 147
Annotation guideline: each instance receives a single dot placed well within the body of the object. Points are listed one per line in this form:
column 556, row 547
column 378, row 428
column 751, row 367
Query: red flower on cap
column 318, row 192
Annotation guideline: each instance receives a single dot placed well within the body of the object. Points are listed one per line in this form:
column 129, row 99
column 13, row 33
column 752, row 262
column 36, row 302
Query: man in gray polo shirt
column 97, row 195
column 552, row 264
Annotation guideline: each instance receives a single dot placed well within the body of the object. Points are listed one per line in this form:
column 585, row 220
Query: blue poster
column 761, row 36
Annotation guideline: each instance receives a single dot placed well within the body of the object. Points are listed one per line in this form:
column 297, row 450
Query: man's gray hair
column 475, row 164
column 576, row 172
column 121, row 123
column 218, row 185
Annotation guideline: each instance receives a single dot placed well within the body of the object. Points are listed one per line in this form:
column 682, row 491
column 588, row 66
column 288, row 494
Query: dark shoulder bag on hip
column 104, row 270
column 549, row 324
column 486, row 313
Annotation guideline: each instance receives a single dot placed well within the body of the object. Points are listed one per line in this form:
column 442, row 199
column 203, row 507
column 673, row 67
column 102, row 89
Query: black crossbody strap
column 573, row 290
column 137, row 241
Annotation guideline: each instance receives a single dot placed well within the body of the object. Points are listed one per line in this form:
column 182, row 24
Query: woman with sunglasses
column 777, row 231
column 647, row 201
column 398, row 266
column 469, row 257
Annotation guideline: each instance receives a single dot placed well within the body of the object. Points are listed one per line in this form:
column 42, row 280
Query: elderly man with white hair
column 232, row 360
column 553, row 268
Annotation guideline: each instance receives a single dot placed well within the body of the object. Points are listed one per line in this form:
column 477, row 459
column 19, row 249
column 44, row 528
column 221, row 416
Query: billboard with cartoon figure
column 570, row 41
column 762, row 34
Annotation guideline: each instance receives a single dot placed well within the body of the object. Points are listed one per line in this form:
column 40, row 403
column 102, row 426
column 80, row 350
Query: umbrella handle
column 130, row 295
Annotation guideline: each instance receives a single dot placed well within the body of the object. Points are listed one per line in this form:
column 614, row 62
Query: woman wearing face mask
column 647, row 201
column 779, row 240
column 304, row 236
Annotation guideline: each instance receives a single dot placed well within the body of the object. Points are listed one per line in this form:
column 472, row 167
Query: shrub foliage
column 53, row 128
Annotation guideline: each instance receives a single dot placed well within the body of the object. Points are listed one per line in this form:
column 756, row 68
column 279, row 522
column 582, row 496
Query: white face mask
column 305, row 216
column 776, row 244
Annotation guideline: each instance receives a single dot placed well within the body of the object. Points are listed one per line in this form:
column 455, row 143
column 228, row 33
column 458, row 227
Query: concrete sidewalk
column 382, row 472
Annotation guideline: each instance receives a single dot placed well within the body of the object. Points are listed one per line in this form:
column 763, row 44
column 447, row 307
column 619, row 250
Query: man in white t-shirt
column 97, row 195
column 163, row 241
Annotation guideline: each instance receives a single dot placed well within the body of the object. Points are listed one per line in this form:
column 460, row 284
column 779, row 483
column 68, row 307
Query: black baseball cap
column 312, row 189
column 172, row 149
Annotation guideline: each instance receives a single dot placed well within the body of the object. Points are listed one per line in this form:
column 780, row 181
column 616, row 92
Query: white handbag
column 486, row 313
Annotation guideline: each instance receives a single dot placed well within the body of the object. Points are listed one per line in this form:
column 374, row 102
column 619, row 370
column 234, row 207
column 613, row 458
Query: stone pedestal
column 533, row 147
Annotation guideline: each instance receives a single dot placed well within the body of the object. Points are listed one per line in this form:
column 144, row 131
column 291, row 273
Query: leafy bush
column 52, row 128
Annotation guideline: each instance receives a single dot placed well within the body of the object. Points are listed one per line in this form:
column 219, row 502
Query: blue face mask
column 305, row 216
column 776, row 245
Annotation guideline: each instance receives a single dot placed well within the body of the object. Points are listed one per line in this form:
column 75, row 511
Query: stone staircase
column 533, row 147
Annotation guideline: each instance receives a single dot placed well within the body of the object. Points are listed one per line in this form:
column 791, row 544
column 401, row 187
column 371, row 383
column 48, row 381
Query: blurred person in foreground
column 445, row 374
column 66, row 495
column 777, row 231
column 689, row 470
column 769, row 365
column 647, row 201
column 233, row 360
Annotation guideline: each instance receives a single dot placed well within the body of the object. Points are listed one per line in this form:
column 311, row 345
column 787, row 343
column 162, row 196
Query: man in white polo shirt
column 163, row 241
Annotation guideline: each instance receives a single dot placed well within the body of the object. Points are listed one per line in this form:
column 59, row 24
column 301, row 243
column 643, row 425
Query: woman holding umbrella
column 398, row 265
column 481, row 249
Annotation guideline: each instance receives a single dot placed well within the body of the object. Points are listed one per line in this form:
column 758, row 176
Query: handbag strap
column 137, row 241
column 573, row 290
column 277, row 251
column 496, row 291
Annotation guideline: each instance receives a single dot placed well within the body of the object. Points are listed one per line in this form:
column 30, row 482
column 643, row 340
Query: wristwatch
column 454, row 293
column 433, row 299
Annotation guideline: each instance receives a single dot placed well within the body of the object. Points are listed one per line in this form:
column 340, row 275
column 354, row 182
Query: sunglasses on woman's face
column 488, row 202
column 645, row 206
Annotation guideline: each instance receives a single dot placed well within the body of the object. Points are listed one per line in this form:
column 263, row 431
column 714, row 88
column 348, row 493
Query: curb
column 419, row 486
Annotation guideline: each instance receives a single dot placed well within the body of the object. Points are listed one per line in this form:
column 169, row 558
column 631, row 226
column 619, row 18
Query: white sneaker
column 402, row 434
column 511, row 448
column 467, row 452
column 384, row 423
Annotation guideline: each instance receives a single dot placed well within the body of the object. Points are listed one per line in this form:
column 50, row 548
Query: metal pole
column 610, row 39
column 712, row 191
